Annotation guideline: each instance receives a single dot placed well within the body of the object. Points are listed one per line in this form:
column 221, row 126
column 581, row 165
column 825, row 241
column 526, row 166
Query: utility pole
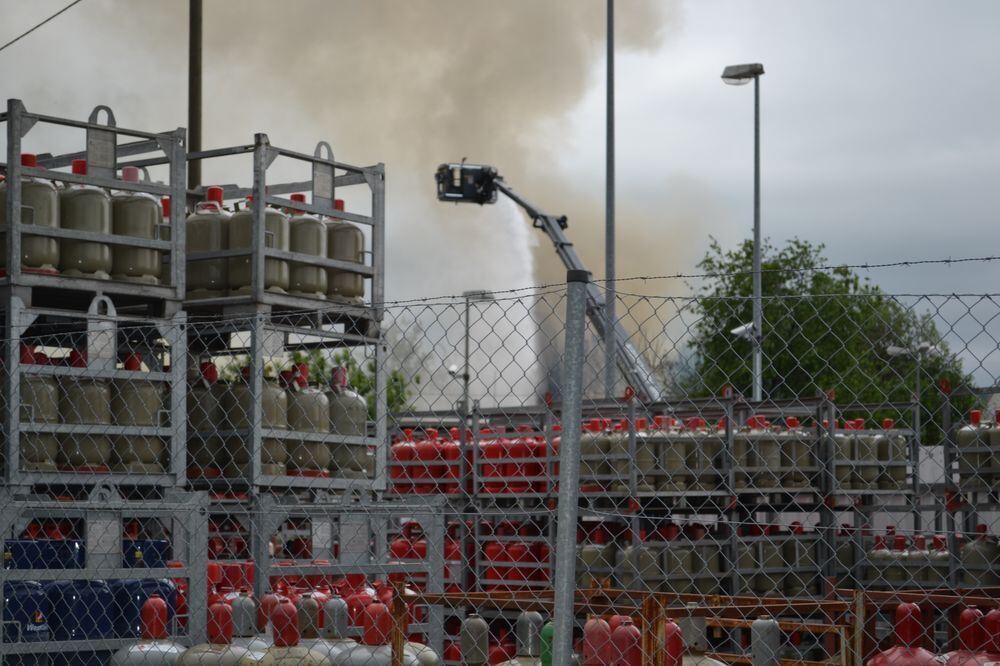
column 194, row 91
column 610, row 329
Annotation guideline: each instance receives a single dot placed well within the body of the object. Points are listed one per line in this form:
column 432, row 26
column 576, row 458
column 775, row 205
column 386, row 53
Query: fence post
column 569, row 467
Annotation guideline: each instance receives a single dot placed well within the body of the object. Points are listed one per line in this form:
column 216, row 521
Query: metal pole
column 610, row 345
column 194, row 91
column 569, row 467
column 758, row 341
column 465, row 366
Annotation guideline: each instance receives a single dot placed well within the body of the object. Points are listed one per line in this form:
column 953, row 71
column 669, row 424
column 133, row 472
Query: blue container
column 146, row 553
column 129, row 597
column 43, row 554
column 81, row 658
column 80, row 610
column 25, row 612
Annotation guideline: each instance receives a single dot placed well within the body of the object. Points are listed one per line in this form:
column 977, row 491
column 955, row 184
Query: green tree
column 361, row 376
column 824, row 331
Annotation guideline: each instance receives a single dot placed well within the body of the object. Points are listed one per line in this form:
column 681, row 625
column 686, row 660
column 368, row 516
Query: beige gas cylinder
column 219, row 651
column 747, row 557
column 645, row 457
column 623, row 463
column 940, row 559
column 276, row 236
column 972, row 457
column 83, row 400
column 308, row 411
column 796, row 457
column 594, row 466
column 866, row 445
column 918, row 561
column 879, row 560
column 757, row 449
column 846, row 552
column 39, row 404
column 678, row 561
column 85, row 208
column 981, row 560
column 205, row 419
column 706, row 562
column 207, row 230
column 674, row 453
column 39, row 254
column 892, row 454
column 237, row 403
column 595, row 558
column 800, row 553
column 843, row 447
column 345, row 242
column 308, row 236
column 771, row 563
column 138, row 402
column 348, row 418
column 704, row 448
column 637, row 565
column 138, row 215
column 896, row 573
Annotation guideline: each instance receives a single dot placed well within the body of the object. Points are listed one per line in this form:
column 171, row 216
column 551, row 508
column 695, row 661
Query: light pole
column 738, row 75
column 476, row 296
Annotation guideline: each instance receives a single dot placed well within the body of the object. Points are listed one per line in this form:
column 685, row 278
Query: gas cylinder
column 981, row 560
column 548, row 632
column 348, row 418
column 503, row 650
column 374, row 648
column 237, row 404
column 893, row 456
column 748, row 558
column 800, row 553
column 896, row 573
column 843, row 447
column 83, row 400
column 286, row 650
column 475, row 640
column 767, row 455
column 673, row 644
column 918, row 561
column 129, row 598
column 137, row 402
column 333, row 635
column 80, row 609
column 672, row 453
column 678, row 561
column 909, row 635
column 492, row 453
column 138, row 215
column 403, row 452
column 796, row 457
column 626, row 641
column 971, row 649
column 846, row 550
column 246, row 634
column 596, row 559
column 637, row 563
column 40, row 207
column 428, row 471
column 85, row 208
column 154, row 648
column 597, row 647
column 879, row 558
column 451, row 454
column 940, row 560
column 39, row 404
column 308, row 236
column 703, row 450
column 308, row 411
column 308, row 612
column 357, row 595
column 276, row 236
column 594, row 451
column 616, row 442
column 866, row 450
column 518, row 452
column 207, row 230
column 345, row 242
column 771, row 561
column 25, row 612
column 972, row 456
column 205, row 418
column 219, row 651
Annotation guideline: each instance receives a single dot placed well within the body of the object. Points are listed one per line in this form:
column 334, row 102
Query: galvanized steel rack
column 103, row 514
column 326, row 178
column 106, row 146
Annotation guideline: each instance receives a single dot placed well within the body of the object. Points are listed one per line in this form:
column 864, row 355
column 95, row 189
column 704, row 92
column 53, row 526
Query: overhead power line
column 39, row 25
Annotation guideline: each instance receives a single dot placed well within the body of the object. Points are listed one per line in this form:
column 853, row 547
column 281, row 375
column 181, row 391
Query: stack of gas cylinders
column 91, row 209
column 979, row 451
column 71, row 610
column 772, row 560
column 410, row 545
column 212, row 227
column 977, row 642
column 290, row 401
column 897, row 560
column 100, row 403
column 870, row 459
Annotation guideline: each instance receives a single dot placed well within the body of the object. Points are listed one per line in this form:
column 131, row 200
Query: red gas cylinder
column 970, row 650
column 285, row 624
column 553, row 472
column 428, row 471
column 518, row 465
column 520, row 556
column 403, row 453
column 491, row 455
column 453, row 561
column 401, row 548
column 452, row 651
column 909, row 635
column 991, row 626
column 267, row 604
column 626, row 643
column 220, row 623
column 181, row 585
column 673, row 643
column 493, row 553
column 154, row 618
column 451, row 454
column 358, row 596
column 214, row 578
column 503, row 650
column 597, row 646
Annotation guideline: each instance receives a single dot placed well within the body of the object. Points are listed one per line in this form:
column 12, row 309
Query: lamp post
column 738, row 75
column 476, row 296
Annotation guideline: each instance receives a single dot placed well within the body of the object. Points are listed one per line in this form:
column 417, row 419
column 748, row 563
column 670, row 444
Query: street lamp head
column 738, row 75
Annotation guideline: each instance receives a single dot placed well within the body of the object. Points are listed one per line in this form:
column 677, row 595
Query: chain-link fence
column 427, row 463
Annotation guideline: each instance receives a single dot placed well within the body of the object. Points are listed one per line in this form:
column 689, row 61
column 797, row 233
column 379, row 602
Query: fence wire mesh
column 301, row 456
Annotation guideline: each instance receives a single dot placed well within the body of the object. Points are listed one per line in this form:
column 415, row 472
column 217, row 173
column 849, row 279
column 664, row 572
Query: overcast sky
column 878, row 119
